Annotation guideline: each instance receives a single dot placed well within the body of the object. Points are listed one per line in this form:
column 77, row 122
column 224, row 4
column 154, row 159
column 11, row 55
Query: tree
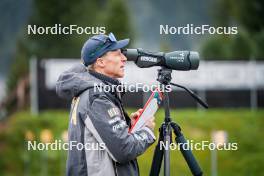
column 117, row 19
column 85, row 13
column 248, row 16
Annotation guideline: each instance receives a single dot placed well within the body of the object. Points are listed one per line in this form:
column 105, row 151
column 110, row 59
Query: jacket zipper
column 116, row 169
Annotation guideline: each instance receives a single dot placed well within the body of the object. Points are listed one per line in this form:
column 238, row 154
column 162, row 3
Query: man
column 97, row 118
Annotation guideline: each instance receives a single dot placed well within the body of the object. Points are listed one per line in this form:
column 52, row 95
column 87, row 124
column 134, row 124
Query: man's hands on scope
column 150, row 123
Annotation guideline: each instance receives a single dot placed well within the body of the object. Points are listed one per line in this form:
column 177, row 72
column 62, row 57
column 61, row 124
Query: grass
column 243, row 126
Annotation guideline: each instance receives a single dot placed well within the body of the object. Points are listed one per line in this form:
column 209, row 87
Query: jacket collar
column 104, row 78
column 109, row 81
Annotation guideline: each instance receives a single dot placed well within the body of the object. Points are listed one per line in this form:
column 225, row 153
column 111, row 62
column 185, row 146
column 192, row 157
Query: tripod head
column 164, row 77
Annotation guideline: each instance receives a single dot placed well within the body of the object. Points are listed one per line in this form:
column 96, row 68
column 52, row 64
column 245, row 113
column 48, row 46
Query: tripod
column 165, row 132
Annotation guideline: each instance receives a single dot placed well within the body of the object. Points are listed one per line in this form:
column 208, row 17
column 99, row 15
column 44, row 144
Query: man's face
column 113, row 64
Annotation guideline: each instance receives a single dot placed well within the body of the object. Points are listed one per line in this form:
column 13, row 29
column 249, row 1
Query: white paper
column 147, row 114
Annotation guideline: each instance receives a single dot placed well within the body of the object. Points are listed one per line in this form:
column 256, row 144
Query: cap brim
column 119, row 44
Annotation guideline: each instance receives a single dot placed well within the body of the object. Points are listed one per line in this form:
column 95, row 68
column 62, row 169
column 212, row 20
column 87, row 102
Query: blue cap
column 98, row 45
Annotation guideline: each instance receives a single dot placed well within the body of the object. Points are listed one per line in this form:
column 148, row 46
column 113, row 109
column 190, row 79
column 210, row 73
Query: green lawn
column 243, row 127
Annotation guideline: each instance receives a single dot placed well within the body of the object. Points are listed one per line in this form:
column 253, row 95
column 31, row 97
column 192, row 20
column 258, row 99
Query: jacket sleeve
column 108, row 126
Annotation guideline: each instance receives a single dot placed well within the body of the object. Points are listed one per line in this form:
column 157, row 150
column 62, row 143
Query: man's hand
column 150, row 123
column 134, row 115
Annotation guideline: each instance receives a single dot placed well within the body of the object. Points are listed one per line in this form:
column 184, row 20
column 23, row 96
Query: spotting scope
column 175, row 60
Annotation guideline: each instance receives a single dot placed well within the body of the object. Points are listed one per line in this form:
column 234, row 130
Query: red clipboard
column 149, row 110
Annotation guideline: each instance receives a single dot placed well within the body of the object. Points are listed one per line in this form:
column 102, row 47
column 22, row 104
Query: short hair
column 91, row 67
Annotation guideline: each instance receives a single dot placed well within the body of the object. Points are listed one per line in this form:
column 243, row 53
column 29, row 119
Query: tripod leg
column 167, row 141
column 187, row 154
column 158, row 155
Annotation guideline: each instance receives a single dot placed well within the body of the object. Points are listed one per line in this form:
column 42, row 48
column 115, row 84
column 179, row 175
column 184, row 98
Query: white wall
column 210, row 74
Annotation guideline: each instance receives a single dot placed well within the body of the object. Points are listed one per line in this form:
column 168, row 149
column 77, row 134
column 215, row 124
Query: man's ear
column 100, row 62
